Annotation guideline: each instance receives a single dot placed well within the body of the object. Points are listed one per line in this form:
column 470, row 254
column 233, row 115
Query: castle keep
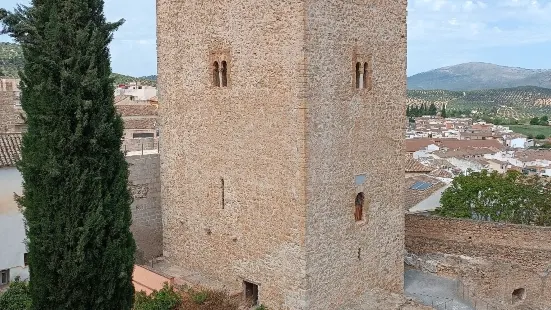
column 282, row 124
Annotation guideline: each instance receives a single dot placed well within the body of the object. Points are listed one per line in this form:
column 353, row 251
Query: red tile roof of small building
column 10, row 149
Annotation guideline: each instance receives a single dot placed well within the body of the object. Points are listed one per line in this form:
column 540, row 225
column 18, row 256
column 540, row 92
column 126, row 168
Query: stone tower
column 282, row 146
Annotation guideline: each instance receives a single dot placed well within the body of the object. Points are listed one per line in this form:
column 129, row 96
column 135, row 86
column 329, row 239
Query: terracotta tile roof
column 441, row 173
column 120, row 98
column 413, row 165
column 145, row 123
column 440, row 163
column 478, row 134
column 414, row 145
column 464, row 152
column 413, row 196
column 532, row 155
column 458, row 144
column 137, row 110
column 10, row 149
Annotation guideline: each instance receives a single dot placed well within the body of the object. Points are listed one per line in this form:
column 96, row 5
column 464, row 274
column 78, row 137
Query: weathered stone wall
column 352, row 132
column 258, row 178
column 10, row 119
column 250, row 134
column 493, row 258
column 144, row 183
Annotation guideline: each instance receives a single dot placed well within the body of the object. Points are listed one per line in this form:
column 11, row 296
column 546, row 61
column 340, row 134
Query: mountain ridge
column 478, row 76
column 11, row 61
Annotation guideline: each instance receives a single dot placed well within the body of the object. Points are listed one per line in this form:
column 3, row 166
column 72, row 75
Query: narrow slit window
column 223, row 192
column 358, row 75
column 359, row 205
column 224, row 74
column 367, row 76
column 216, row 74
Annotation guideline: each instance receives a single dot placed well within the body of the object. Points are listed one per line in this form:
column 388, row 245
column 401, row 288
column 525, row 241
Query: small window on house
column 358, row 75
column 519, row 295
column 26, row 259
column 359, row 205
column 224, row 74
column 142, row 135
column 4, row 276
column 216, row 74
column 251, row 293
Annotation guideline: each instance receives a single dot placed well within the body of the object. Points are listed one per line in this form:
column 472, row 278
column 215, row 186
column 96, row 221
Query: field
column 531, row 130
column 518, row 103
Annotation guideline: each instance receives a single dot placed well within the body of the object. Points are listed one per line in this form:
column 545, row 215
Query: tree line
column 421, row 110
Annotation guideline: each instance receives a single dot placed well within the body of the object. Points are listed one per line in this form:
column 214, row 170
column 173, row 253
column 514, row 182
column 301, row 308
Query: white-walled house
column 12, row 227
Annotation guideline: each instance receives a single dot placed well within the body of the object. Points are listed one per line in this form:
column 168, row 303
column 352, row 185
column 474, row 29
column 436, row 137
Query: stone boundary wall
column 493, row 259
column 144, row 183
column 528, row 246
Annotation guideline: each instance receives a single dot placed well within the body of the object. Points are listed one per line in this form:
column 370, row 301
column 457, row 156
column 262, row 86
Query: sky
column 440, row 33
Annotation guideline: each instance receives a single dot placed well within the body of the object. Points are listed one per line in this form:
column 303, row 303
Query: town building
column 13, row 251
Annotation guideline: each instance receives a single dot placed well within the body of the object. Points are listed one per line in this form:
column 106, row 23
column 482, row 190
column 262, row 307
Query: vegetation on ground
column 171, row 298
column 515, row 103
column 16, row 297
column 512, row 197
column 11, row 62
column 532, row 130
column 76, row 201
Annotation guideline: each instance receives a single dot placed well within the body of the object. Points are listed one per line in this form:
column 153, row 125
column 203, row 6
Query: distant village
column 438, row 149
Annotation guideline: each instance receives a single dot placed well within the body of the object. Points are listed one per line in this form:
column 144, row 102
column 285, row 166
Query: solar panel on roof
column 420, row 186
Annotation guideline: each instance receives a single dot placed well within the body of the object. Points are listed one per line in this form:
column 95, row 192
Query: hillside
column 11, row 60
column 517, row 102
column 477, row 75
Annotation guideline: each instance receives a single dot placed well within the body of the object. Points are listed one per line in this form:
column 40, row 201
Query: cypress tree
column 75, row 197
column 408, row 112
column 443, row 113
column 432, row 109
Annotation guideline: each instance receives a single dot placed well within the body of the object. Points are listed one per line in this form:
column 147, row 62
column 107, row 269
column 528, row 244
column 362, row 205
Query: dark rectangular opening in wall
column 223, row 189
column 141, row 135
column 251, row 293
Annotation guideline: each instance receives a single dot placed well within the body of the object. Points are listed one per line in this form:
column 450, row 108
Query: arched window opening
column 367, row 76
column 224, row 74
column 359, row 203
column 216, row 75
column 358, row 75
column 519, row 295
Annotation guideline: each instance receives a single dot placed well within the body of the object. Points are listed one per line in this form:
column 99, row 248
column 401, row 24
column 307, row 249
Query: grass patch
column 531, row 130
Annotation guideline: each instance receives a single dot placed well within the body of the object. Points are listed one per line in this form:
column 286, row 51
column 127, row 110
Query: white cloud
column 477, row 22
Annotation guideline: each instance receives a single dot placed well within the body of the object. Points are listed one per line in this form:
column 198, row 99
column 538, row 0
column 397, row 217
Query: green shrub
column 164, row 299
column 540, row 136
column 261, row 307
column 199, row 297
column 16, row 297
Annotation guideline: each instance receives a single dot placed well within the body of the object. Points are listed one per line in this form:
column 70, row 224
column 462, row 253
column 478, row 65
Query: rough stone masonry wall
column 493, row 258
column 352, row 132
column 144, row 183
column 249, row 135
column 9, row 114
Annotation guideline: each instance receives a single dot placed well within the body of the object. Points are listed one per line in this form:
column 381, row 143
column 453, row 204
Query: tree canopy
column 511, row 197
column 75, row 199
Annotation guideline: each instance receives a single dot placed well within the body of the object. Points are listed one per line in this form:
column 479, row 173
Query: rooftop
column 10, row 149
column 420, row 187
